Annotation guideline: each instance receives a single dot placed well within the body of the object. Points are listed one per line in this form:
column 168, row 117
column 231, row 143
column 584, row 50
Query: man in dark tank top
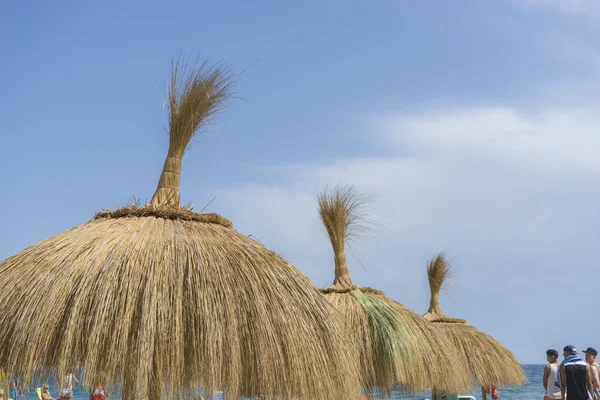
column 575, row 377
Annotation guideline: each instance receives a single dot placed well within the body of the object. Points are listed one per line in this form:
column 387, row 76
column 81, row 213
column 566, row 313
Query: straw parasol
column 158, row 301
column 489, row 362
column 396, row 346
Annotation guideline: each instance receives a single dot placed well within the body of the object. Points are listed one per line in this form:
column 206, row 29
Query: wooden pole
column 483, row 394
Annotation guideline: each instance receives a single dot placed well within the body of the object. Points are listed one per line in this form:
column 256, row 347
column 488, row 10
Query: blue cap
column 570, row 349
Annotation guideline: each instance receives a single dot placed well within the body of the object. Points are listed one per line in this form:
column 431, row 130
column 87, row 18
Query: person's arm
column 563, row 383
column 547, row 371
column 588, row 377
column 595, row 377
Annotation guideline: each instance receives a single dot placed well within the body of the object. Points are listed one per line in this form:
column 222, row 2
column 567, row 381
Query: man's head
column 551, row 356
column 45, row 388
column 590, row 355
column 569, row 350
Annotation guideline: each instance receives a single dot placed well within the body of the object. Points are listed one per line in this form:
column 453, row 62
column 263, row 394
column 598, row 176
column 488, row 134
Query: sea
column 531, row 391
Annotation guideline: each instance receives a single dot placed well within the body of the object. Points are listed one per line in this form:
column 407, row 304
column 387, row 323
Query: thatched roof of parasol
column 158, row 301
column 488, row 360
column 396, row 346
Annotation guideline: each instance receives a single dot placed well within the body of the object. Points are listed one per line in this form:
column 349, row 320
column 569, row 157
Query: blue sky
column 472, row 125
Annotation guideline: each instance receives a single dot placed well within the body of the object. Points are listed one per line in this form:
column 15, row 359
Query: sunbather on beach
column 98, row 393
column 16, row 391
column 46, row 393
column 492, row 391
column 69, row 384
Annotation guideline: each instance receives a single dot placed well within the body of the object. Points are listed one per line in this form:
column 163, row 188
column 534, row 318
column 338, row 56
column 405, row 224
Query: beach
column 531, row 391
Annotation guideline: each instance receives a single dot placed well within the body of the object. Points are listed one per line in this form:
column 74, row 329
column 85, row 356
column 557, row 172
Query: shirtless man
column 590, row 359
column 45, row 393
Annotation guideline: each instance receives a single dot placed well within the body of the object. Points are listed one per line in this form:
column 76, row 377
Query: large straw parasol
column 159, row 301
column 489, row 362
column 396, row 346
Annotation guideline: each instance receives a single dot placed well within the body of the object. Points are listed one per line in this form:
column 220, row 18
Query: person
column 98, row 393
column 574, row 376
column 69, row 384
column 550, row 373
column 2, row 395
column 46, row 394
column 590, row 359
column 16, row 390
column 492, row 391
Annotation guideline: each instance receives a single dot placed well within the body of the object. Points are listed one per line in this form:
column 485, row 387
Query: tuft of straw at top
column 438, row 271
column 342, row 213
column 438, row 274
column 196, row 91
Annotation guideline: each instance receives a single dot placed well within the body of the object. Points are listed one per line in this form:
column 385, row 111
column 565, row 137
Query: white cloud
column 512, row 197
column 549, row 140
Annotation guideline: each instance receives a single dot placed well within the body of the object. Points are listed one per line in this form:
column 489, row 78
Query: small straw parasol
column 157, row 301
column 489, row 362
column 395, row 345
